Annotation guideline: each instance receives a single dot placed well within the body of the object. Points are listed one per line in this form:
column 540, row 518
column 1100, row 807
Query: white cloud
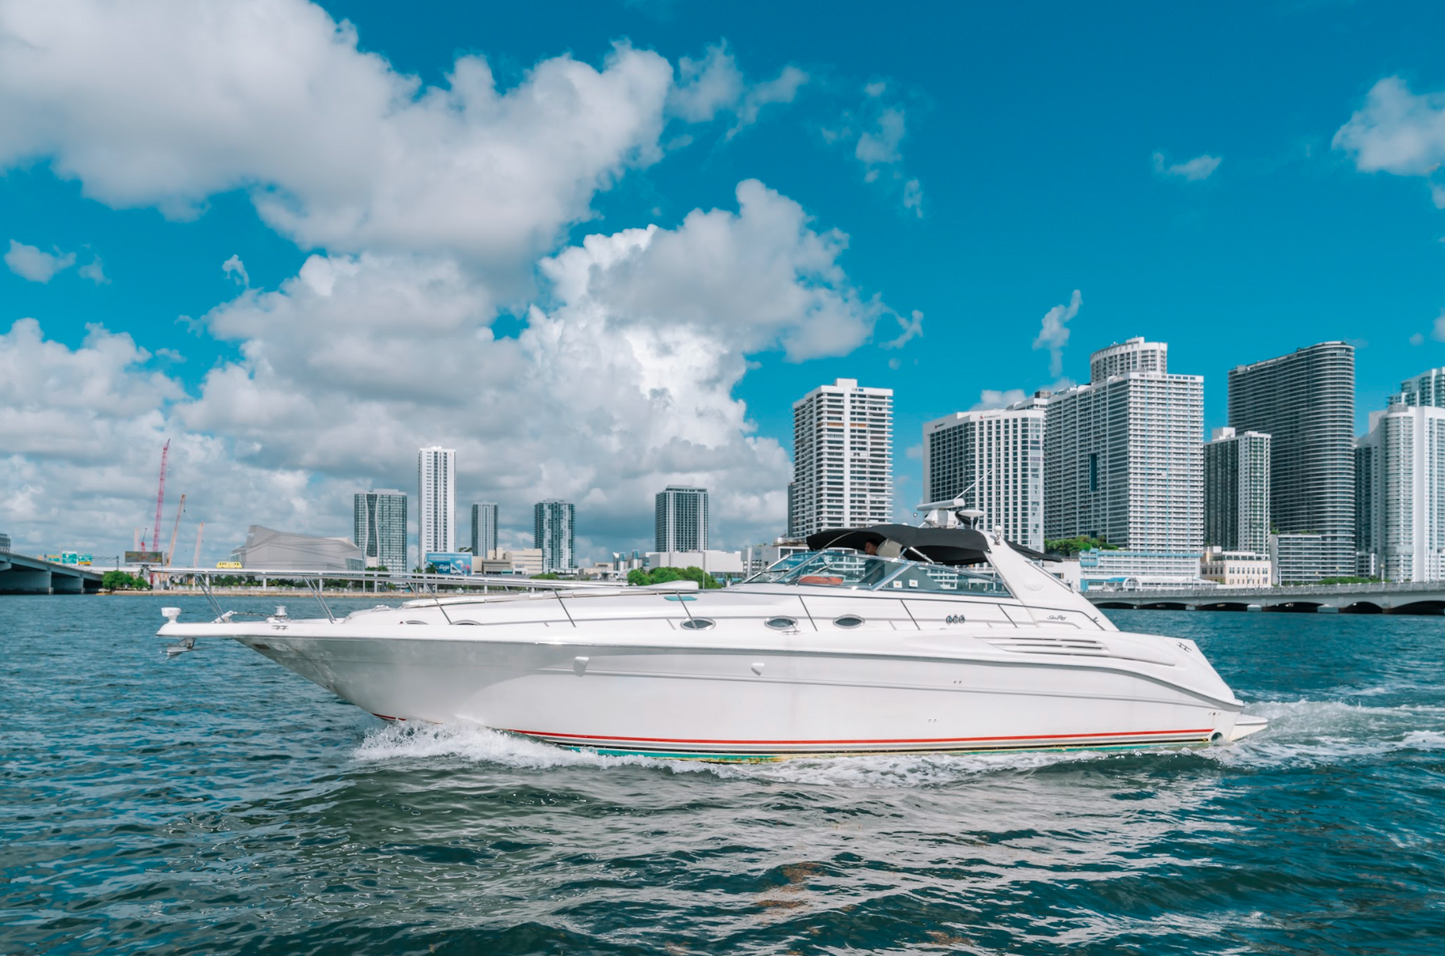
column 716, row 85
column 1397, row 132
column 1054, row 332
column 166, row 102
column 236, row 269
column 994, row 398
column 1438, row 332
column 1193, row 170
column 33, row 263
column 94, row 270
column 434, row 204
column 1417, row 339
column 912, row 328
column 877, row 133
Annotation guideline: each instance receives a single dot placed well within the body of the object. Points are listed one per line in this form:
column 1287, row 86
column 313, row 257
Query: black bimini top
column 953, row 546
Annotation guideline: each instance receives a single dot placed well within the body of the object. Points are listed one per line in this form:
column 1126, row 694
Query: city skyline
column 707, row 216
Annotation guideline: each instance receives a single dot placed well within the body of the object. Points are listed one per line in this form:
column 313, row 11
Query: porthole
column 782, row 623
column 848, row 620
column 697, row 624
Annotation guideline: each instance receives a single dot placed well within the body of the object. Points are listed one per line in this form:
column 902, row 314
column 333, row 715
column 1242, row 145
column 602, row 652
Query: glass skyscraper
column 1236, row 491
column 436, row 478
column 484, row 527
column 1305, row 402
column 379, row 528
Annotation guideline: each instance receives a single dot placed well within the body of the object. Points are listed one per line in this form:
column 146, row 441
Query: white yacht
column 886, row 639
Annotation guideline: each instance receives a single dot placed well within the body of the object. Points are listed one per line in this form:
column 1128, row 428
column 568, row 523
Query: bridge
column 1423, row 598
column 22, row 575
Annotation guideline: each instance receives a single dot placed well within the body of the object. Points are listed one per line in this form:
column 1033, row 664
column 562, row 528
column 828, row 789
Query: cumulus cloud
column 995, row 398
column 166, row 102
column 1054, row 332
column 715, row 84
column 1193, row 170
column 434, row 204
column 35, row 264
column 1438, row 332
column 1397, row 132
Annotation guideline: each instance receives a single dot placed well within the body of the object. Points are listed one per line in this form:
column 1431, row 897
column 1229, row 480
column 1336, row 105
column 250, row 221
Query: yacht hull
column 939, row 694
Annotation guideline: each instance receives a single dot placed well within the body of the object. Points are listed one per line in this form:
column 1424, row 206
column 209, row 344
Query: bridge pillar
column 24, row 581
column 62, row 583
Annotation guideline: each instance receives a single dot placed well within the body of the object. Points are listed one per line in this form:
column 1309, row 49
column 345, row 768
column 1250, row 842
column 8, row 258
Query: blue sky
column 983, row 164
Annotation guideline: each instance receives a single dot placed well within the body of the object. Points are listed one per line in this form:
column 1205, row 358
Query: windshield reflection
column 849, row 569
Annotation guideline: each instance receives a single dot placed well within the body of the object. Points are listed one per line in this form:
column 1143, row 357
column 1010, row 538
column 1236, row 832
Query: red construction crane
column 160, row 497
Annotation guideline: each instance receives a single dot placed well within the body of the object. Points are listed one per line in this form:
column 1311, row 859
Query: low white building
column 713, row 562
column 1133, row 570
column 1235, row 569
column 272, row 550
column 760, row 556
column 520, row 561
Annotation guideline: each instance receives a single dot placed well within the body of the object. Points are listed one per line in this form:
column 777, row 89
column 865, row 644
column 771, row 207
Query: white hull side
column 728, row 702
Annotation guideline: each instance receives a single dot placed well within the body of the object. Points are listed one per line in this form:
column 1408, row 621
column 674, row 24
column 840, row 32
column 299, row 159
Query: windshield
column 849, row 569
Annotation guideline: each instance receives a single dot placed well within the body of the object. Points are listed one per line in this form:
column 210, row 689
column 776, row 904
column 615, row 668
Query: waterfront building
column 436, row 478
column 716, row 563
column 1236, row 492
column 1405, row 523
column 484, row 527
column 1128, row 569
column 379, row 528
column 554, row 524
column 1305, row 402
column 842, row 458
column 524, row 562
column 270, row 550
column 1427, row 388
column 1366, row 561
column 681, row 519
column 1296, row 557
column 5, row 544
column 1133, row 355
column 1235, row 569
column 994, row 461
column 1124, row 460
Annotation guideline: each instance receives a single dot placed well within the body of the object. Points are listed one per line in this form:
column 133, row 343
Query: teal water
column 220, row 804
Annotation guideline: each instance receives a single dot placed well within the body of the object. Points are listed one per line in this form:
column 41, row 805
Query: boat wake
column 1300, row 733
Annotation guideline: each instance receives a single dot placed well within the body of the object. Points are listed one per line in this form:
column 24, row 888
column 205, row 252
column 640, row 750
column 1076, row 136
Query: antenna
column 160, row 497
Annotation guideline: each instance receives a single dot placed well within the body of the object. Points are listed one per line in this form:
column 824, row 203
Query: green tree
column 121, row 581
column 638, row 578
column 1072, row 546
column 547, row 576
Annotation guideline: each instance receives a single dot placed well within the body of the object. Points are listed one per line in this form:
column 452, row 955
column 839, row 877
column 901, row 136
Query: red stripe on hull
column 846, row 743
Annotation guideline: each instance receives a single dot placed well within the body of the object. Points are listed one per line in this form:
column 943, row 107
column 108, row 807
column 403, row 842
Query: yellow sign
column 228, row 564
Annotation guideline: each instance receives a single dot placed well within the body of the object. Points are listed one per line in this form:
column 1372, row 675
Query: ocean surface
column 217, row 803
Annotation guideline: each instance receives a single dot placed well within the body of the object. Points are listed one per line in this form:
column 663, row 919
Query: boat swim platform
column 1425, row 598
column 20, row 574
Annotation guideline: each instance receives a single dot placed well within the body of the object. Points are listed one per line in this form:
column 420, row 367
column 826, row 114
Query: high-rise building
column 554, row 524
column 1124, row 459
column 1406, row 520
column 436, row 478
column 681, row 515
column 1236, row 492
column 994, row 460
column 842, row 458
column 1366, row 561
column 1133, row 355
column 1427, row 388
column 1305, row 402
column 484, row 528
column 379, row 528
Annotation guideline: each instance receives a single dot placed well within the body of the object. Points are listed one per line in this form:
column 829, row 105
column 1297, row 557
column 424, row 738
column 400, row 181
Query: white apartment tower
column 1133, row 355
column 436, row 478
column 842, row 458
column 681, row 519
column 554, row 526
column 1406, row 526
column 995, row 460
column 1124, row 456
column 484, row 527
